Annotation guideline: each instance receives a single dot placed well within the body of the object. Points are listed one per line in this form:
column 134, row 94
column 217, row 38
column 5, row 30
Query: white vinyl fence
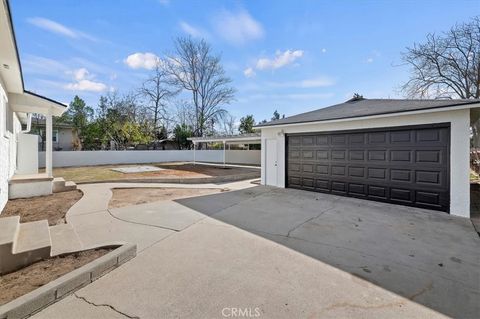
column 85, row 158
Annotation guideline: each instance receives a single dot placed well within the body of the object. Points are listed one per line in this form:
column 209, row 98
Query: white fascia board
column 439, row 109
column 29, row 103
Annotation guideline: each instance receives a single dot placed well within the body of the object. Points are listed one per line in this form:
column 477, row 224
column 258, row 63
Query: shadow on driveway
column 429, row 257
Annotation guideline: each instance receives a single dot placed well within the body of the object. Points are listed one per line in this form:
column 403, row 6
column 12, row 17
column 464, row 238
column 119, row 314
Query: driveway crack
column 142, row 224
column 105, row 305
column 308, row 220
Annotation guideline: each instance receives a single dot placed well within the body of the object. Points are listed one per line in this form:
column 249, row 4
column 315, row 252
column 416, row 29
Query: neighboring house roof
column 361, row 107
column 41, row 122
column 245, row 138
column 20, row 99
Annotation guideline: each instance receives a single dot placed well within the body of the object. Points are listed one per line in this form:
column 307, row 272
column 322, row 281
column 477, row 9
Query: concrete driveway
column 428, row 257
column 281, row 253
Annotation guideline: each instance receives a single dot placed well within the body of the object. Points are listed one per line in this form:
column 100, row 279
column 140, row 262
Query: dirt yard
column 171, row 171
column 134, row 196
column 20, row 282
column 52, row 207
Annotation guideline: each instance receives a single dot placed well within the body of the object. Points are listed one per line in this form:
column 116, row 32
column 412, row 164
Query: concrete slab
column 64, row 239
column 101, row 228
column 430, row 257
column 137, row 169
column 78, row 308
column 166, row 214
column 209, row 269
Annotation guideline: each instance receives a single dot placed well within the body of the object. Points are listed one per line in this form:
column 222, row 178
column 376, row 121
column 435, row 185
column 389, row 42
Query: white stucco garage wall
column 459, row 143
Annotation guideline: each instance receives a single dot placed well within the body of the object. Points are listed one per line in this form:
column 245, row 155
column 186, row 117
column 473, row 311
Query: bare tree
column 157, row 91
column 446, row 65
column 194, row 68
column 185, row 114
column 227, row 124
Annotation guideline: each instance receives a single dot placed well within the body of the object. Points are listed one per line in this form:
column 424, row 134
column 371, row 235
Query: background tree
column 79, row 114
column 181, row 133
column 446, row 65
column 156, row 92
column 246, row 124
column 120, row 123
column 276, row 116
column 228, row 125
column 194, row 68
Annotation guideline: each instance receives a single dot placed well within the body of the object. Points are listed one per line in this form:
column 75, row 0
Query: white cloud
column 59, row 28
column 238, row 28
column 80, row 74
column 249, row 72
column 86, row 85
column 193, row 31
column 140, row 60
column 281, row 59
column 369, row 60
column 84, row 82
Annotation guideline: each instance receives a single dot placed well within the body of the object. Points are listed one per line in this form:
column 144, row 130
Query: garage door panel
column 322, row 140
column 323, row 155
column 356, row 155
column 377, row 138
column 401, row 137
column 357, row 189
column 377, row 173
column 322, row 169
column 408, row 166
column 339, row 187
column 338, row 170
column 377, row 192
column 322, row 184
column 377, row 155
column 356, row 139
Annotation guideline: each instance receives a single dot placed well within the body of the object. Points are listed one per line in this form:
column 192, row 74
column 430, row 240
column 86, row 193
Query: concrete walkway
column 194, row 262
column 90, row 223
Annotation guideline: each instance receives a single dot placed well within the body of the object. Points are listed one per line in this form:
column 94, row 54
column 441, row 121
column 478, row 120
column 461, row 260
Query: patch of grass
column 87, row 173
column 473, row 175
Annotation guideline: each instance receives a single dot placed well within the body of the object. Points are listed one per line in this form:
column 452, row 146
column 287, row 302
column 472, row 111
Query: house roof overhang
column 19, row 99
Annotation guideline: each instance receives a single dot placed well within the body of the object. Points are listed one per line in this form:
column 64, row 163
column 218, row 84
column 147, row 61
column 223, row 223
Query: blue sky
column 293, row 56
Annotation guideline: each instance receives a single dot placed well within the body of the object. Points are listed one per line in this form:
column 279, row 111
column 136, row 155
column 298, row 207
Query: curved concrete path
column 90, row 223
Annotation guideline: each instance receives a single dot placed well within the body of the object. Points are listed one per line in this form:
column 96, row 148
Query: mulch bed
column 22, row 281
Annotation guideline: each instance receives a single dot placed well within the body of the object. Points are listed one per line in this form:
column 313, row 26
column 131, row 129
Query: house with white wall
column 19, row 175
column 406, row 152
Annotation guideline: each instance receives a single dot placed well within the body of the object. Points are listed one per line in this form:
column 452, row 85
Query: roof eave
column 29, row 102
column 365, row 117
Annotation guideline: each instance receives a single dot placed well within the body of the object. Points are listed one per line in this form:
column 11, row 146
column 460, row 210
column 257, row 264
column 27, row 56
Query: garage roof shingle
column 366, row 107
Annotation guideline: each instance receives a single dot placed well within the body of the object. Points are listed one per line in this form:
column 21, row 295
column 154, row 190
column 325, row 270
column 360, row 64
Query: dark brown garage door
column 404, row 165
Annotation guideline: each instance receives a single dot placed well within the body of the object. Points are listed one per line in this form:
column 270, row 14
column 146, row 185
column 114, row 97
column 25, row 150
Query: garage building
column 407, row 152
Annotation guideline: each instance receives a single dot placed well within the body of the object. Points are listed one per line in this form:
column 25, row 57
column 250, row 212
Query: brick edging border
column 50, row 293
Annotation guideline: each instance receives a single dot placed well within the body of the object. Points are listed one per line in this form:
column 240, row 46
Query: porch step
column 8, row 233
column 60, row 185
column 33, row 236
column 70, row 185
column 22, row 244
